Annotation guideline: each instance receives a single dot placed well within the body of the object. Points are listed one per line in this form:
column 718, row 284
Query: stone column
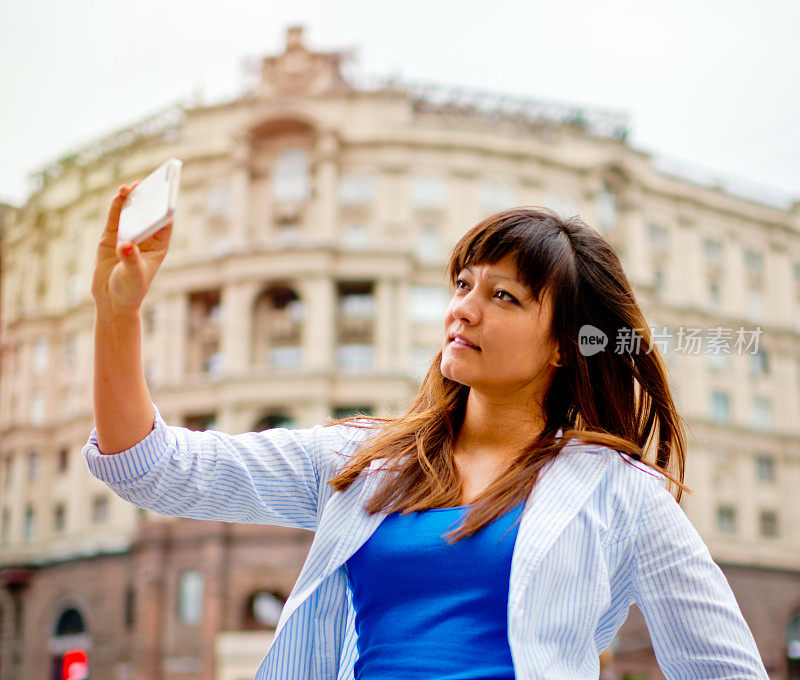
column 240, row 198
column 324, row 210
column 385, row 332
column 237, row 331
column 174, row 353
column 319, row 324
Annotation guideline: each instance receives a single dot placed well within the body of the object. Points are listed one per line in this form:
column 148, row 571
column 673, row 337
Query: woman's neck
column 497, row 426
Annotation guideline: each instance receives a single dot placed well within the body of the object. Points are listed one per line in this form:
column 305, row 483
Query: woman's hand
column 124, row 271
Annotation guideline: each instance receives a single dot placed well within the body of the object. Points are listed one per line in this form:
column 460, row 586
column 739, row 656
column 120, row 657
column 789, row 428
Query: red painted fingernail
column 127, row 250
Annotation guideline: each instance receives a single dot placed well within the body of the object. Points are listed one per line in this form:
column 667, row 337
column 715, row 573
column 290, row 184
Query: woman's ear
column 555, row 359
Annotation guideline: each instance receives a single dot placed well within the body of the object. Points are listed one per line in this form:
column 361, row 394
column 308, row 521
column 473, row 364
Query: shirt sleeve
column 269, row 477
column 695, row 623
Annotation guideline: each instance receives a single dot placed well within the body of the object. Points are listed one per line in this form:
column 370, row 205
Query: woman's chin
column 454, row 375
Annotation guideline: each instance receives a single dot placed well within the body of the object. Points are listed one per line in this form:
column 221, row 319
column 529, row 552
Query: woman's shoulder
column 622, row 475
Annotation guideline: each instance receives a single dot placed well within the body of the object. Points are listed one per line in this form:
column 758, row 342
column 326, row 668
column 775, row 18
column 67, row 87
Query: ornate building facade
column 305, row 280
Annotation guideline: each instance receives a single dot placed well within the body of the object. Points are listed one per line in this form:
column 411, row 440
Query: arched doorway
column 793, row 648
column 69, row 647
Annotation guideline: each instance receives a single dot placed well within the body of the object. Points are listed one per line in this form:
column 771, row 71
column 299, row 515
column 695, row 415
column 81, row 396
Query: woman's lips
column 461, row 343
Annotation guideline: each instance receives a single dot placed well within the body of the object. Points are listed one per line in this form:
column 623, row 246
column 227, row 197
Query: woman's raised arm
column 123, row 409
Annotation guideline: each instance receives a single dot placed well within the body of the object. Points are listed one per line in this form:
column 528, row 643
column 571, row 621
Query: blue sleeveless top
column 429, row 610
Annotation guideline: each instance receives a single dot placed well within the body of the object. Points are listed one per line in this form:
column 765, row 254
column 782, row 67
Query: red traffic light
column 75, row 665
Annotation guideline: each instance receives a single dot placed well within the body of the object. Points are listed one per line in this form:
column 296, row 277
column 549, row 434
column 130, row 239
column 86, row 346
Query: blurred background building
column 305, row 280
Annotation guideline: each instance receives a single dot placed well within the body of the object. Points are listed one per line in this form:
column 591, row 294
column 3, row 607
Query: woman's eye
column 459, row 282
column 509, row 296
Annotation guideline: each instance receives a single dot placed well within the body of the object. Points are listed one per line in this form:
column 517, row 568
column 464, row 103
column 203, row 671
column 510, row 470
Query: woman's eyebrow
column 498, row 277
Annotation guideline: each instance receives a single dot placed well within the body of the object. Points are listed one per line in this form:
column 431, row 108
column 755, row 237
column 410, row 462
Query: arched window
column 69, row 645
column 70, row 623
column 262, row 610
column 272, row 420
column 290, row 176
column 607, row 208
column 278, row 328
column 190, row 597
column 793, row 648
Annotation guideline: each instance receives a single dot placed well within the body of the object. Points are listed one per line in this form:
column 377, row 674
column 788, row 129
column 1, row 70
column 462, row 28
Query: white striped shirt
column 598, row 533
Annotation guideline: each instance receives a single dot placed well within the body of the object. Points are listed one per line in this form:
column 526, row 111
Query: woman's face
column 494, row 311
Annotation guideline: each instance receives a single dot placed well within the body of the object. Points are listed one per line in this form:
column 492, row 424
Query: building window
column 41, row 351
column 263, row 610
column 63, row 459
column 723, row 464
column 203, row 332
column 218, row 201
column 768, row 523
column 714, row 296
column 100, row 509
column 29, row 524
column 355, row 358
column 290, row 177
column 754, row 262
column 720, row 406
column 658, row 280
column 713, row 253
column 37, row 408
column 355, row 189
column 190, row 597
column 718, row 361
column 271, row 421
column 658, row 236
column 607, row 208
column 71, row 351
column 762, row 413
column 74, row 288
column 213, row 364
column 149, row 319
column 355, row 236
column 421, row 359
column 428, row 304
column 561, row 203
column 33, row 464
column 429, row 191
column 59, row 518
column 429, row 247
column 348, row 411
column 283, row 358
column 200, row 422
column 759, row 364
column 726, row 519
column 288, row 235
column 129, row 608
column 278, row 327
column 5, row 529
column 754, row 305
column 765, row 468
column 496, row 196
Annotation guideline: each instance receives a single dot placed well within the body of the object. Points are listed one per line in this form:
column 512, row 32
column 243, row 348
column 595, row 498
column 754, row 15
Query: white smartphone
column 151, row 205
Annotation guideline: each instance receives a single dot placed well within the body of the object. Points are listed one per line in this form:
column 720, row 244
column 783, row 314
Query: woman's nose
column 466, row 307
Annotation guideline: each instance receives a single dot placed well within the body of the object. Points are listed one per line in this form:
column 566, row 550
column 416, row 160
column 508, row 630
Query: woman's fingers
column 109, row 236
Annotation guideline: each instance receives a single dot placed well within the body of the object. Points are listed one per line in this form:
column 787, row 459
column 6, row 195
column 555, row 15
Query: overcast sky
column 710, row 83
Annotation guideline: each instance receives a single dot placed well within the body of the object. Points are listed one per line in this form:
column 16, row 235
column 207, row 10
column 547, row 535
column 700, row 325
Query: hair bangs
column 534, row 245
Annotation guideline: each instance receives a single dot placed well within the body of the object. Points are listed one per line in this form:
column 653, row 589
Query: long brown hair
column 617, row 398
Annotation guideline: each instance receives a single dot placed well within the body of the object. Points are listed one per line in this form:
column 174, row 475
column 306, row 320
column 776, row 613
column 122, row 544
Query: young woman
column 537, row 452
